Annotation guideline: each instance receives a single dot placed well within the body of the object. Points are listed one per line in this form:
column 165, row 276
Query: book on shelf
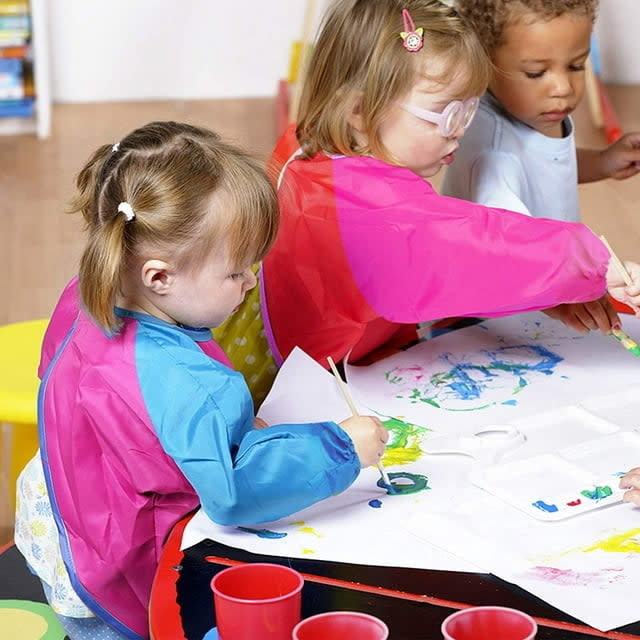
column 17, row 108
column 11, row 74
column 13, row 7
column 19, row 51
column 19, row 22
column 13, row 38
column 16, row 79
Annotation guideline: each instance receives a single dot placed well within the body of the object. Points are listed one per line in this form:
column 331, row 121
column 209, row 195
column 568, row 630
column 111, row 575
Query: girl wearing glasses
column 366, row 247
column 520, row 152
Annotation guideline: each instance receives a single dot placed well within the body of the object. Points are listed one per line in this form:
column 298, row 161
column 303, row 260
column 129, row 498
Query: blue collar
column 196, row 334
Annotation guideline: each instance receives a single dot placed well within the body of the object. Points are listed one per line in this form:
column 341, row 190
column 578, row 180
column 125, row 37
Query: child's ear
column 354, row 111
column 157, row 276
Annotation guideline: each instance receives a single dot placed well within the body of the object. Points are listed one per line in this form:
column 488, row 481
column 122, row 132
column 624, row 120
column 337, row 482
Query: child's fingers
column 631, row 480
column 632, row 496
column 600, row 314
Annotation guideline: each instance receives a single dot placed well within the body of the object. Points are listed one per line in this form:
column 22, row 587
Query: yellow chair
column 19, row 357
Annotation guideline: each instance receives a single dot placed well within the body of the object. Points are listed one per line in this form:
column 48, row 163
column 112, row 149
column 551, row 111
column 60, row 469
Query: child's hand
column 631, row 481
column 622, row 159
column 586, row 316
column 629, row 294
column 369, row 438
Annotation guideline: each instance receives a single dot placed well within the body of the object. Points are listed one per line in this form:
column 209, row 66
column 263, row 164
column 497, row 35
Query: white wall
column 146, row 49
column 618, row 37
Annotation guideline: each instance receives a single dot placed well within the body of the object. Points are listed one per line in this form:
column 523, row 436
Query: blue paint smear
column 263, row 533
column 543, row 506
column 461, row 378
column 376, row 504
column 513, row 403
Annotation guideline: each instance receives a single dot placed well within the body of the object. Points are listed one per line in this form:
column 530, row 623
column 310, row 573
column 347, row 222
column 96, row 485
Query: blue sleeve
column 241, row 475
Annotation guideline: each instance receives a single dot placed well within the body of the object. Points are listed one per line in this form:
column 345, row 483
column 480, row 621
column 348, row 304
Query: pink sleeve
column 420, row 256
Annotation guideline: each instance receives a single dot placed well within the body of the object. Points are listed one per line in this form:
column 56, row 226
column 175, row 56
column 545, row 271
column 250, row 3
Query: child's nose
column 562, row 85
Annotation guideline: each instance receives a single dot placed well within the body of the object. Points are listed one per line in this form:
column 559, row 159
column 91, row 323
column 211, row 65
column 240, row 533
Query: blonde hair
column 359, row 52
column 170, row 174
column 489, row 18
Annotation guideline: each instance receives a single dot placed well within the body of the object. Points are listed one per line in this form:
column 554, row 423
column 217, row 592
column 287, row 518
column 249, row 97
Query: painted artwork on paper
column 490, row 378
column 494, row 372
column 527, row 373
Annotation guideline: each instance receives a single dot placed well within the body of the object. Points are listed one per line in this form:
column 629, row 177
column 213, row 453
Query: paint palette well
column 561, row 428
column 552, row 487
column 609, row 456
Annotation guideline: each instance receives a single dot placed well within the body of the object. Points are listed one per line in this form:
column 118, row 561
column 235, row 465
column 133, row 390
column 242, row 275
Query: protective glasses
column 455, row 115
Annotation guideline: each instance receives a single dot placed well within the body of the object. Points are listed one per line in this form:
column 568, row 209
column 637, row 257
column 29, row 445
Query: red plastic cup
column 338, row 625
column 257, row 600
column 489, row 623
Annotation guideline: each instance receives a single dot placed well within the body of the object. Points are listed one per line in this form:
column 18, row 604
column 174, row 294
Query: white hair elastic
column 127, row 209
column 115, row 147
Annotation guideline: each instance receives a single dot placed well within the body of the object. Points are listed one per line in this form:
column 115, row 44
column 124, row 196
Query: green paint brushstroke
column 404, row 442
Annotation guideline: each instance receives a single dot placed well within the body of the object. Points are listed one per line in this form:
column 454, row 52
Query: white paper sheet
column 587, row 566
column 557, row 387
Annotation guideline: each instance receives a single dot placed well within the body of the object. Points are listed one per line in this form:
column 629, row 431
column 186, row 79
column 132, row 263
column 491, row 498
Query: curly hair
column 490, row 17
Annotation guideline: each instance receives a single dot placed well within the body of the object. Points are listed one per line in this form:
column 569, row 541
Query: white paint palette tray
column 575, row 480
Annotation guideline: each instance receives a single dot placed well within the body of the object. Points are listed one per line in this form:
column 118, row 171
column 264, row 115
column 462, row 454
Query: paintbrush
column 626, row 341
column 618, row 334
column 354, row 411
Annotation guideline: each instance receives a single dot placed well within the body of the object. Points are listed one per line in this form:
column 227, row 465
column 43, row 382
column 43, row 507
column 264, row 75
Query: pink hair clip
column 412, row 38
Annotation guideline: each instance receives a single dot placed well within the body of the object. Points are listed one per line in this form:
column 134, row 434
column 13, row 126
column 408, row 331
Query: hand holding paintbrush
column 381, row 433
column 629, row 292
column 629, row 344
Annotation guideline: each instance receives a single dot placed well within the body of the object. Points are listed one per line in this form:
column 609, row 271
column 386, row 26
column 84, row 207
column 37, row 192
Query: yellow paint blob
column 311, row 531
column 401, row 455
column 308, row 552
column 622, row 543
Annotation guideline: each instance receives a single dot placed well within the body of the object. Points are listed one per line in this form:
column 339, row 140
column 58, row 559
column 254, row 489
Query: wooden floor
column 40, row 244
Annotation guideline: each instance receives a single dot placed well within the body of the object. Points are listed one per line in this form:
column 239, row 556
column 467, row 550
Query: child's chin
column 430, row 172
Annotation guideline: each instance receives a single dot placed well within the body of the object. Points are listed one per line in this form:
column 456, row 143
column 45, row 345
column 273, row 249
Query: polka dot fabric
column 243, row 339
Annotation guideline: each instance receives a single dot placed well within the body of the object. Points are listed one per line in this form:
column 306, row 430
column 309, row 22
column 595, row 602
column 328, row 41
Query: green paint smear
column 416, row 482
column 404, row 442
column 598, row 493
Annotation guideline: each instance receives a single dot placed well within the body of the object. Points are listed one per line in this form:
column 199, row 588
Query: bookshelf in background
column 25, row 104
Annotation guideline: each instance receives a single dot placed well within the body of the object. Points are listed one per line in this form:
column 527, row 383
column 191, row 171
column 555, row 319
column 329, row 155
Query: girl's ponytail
column 101, row 267
column 89, row 183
